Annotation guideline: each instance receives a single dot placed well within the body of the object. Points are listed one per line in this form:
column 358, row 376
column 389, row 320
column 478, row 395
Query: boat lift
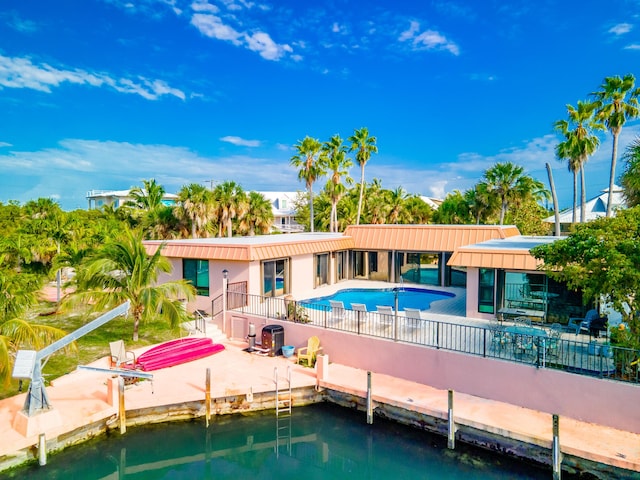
column 29, row 363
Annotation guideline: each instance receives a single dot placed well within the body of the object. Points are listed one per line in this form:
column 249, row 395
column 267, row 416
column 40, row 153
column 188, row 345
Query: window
column 486, row 289
column 275, row 277
column 322, row 269
column 196, row 272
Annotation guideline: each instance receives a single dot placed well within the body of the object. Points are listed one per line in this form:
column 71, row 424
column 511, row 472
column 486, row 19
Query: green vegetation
column 601, row 258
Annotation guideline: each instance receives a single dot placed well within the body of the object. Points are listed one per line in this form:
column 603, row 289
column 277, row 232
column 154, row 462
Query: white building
column 100, row 198
column 284, row 213
column 595, row 207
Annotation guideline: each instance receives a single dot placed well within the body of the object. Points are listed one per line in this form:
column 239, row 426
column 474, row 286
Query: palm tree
column 364, row 146
column 122, row 270
column 230, row 202
column 482, row 204
column 195, row 203
column 509, row 183
column 338, row 164
column 309, row 160
column 580, row 143
column 147, row 198
column 617, row 102
column 16, row 331
column 564, row 151
column 396, row 199
column 259, row 214
column 630, row 179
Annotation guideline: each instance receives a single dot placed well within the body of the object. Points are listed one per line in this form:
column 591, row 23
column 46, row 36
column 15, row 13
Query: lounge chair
column 120, row 357
column 337, row 310
column 413, row 316
column 592, row 323
column 360, row 309
column 309, row 353
column 385, row 313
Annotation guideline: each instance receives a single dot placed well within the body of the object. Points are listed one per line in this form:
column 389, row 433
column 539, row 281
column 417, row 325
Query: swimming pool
column 419, row 298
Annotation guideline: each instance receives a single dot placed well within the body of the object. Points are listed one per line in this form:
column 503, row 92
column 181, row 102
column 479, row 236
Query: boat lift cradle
column 29, row 363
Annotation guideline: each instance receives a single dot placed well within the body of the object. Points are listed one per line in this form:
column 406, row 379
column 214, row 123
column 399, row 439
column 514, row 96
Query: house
column 284, row 213
column 117, row 198
column 595, row 207
column 492, row 262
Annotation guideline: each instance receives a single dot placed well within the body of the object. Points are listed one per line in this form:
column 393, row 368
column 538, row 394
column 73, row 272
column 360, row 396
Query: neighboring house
column 284, row 213
column 100, row 198
column 432, row 202
column 596, row 207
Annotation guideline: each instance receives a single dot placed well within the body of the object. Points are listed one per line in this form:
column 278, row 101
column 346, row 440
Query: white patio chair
column 385, row 313
column 413, row 317
column 360, row 310
column 337, row 310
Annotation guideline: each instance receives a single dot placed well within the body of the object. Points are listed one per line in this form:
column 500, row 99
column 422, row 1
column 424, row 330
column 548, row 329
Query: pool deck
column 83, row 398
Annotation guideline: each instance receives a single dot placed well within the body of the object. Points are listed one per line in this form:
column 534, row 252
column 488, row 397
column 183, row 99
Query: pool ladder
column 284, row 401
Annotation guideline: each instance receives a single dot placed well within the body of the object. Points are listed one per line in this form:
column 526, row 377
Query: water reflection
column 317, row 442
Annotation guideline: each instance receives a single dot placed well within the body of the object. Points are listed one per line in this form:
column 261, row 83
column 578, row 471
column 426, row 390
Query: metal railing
column 542, row 351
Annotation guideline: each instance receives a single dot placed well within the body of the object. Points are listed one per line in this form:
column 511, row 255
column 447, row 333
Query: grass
column 93, row 345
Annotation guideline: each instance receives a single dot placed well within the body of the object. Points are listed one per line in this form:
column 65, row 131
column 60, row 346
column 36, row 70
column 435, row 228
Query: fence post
column 225, row 284
column 42, row 450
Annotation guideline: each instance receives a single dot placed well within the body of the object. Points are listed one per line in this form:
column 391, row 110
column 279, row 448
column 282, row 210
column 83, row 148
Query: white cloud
column 428, row 40
column 261, row 42
column 204, row 6
column 76, row 166
column 240, row 141
column 212, row 26
column 633, row 46
column 5, row 144
column 23, row 73
column 268, row 49
column 621, row 28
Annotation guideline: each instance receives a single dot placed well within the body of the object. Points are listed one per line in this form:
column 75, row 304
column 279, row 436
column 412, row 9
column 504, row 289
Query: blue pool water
column 372, row 297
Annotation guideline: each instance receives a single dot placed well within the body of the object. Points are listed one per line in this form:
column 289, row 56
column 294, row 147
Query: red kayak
column 177, row 352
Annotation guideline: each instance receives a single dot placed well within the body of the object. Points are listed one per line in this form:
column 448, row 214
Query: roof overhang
column 507, row 254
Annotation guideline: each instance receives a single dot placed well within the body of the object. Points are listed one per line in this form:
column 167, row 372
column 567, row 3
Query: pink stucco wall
column 589, row 399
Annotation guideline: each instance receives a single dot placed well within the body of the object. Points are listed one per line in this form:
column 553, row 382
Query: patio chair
column 522, row 321
column 360, row 309
column 386, row 313
column 120, row 357
column 592, row 323
column 499, row 338
column 309, row 353
column 413, row 317
column 337, row 310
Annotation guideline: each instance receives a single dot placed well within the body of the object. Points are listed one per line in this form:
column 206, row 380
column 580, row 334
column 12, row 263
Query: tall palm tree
column 397, row 199
column 510, row 184
column 230, row 201
column 122, row 270
column 579, row 144
column 364, row 145
column 565, row 151
column 482, row 204
column 617, row 102
column 259, row 214
column 338, row 164
column 309, row 161
column 195, row 203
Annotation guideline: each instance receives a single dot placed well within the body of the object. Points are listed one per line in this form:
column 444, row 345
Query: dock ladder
column 284, row 402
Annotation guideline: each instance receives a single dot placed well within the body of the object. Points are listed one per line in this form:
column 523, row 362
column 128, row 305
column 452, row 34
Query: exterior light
column 225, row 273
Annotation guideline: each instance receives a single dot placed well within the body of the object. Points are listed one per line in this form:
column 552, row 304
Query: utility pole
column 211, row 183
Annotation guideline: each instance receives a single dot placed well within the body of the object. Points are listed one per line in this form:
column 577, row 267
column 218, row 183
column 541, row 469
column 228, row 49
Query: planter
column 288, row 350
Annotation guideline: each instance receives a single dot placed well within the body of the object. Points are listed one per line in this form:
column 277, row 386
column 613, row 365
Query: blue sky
column 100, row 94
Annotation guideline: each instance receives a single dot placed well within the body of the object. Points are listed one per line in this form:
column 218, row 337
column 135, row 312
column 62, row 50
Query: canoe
column 176, row 352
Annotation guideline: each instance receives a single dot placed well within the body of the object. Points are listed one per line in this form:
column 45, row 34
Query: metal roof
column 435, row 238
column 510, row 253
column 247, row 249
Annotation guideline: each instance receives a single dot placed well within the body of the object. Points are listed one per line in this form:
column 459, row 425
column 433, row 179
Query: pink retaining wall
column 584, row 398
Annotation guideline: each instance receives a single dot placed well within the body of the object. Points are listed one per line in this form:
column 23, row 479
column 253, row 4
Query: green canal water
column 317, row 442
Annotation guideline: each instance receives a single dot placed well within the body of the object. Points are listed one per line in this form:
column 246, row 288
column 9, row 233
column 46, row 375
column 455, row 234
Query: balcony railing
column 562, row 353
